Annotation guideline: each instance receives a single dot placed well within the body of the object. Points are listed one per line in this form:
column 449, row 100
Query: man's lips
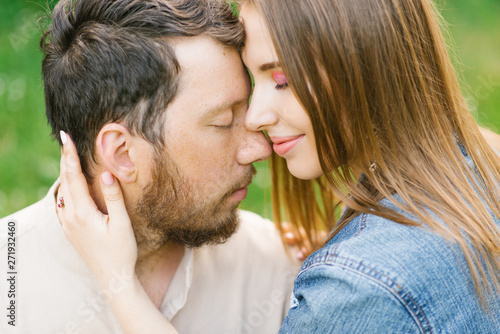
column 282, row 145
column 240, row 194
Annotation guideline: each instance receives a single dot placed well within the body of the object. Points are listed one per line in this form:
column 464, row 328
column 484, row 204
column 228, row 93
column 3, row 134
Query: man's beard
column 172, row 210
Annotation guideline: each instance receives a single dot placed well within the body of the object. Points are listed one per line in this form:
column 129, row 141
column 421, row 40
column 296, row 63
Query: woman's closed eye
column 280, row 79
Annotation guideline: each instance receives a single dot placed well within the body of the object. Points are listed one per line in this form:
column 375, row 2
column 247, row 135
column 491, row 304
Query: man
column 154, row 92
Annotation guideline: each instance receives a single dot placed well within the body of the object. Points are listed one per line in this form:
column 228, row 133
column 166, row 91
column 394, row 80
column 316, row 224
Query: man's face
column 201, row 175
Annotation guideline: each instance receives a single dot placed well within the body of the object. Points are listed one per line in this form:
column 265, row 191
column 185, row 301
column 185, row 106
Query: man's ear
column 113, row 146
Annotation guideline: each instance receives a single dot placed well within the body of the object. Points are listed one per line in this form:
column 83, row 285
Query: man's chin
column 193, row 233
column 213, row 233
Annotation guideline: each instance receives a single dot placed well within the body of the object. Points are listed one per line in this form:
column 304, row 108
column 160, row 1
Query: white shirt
column 242, row 286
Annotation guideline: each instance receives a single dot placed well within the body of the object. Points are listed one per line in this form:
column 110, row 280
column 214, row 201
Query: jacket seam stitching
column 401, row 294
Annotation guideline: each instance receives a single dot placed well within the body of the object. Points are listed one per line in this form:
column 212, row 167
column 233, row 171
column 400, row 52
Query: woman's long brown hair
column 377, row 82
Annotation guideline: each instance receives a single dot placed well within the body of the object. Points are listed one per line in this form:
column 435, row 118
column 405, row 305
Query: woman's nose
column 260, row 115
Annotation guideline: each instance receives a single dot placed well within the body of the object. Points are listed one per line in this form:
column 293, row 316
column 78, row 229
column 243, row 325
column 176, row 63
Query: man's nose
column 255, row 147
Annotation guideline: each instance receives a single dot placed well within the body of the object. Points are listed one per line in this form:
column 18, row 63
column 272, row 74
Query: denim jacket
column 379, row 276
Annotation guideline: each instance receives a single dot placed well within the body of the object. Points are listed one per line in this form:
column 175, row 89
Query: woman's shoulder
column 370, row 241
column 379, row 264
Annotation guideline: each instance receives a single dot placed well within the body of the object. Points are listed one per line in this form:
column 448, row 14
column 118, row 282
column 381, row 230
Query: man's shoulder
column 259, row 234
column 23, row 221
column 256, row 241
column 253, row 226
column 36, row 210
column 248, row 276
column 25, row 212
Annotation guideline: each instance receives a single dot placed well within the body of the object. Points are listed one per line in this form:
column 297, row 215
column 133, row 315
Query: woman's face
column 274, row 108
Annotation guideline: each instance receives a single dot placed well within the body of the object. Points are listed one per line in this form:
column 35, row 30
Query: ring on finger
column 61, row 202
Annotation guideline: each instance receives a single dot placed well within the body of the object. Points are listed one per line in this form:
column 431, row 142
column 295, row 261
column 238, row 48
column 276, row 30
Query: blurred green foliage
column 29, row 159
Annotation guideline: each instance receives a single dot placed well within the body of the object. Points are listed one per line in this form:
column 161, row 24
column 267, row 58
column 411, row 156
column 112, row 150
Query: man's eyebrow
column 269, row 66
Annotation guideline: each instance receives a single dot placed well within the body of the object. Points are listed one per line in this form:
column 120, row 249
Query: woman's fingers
column 121, row 238
column 297, row 237
column 78, row 207
column 113, row 197
column 289, row 237
column 71, row 170
column 105, row 241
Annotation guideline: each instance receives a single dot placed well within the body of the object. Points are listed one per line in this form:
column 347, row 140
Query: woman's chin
column 304, row 170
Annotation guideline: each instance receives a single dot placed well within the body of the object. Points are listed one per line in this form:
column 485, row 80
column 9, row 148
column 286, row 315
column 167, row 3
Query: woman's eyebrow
column 269, row 66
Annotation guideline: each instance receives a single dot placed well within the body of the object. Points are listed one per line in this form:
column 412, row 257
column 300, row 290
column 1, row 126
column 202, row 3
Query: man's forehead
column 211, row 77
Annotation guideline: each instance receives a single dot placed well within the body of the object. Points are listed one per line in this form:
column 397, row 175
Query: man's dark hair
column 110, row 60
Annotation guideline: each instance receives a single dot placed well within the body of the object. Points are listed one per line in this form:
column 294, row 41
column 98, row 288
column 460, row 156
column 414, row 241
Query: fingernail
column 300, row 255
column 64, row 139
column 107, row 178
column 289, row 235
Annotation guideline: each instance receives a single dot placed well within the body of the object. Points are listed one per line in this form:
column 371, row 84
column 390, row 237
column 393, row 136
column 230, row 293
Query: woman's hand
column 297, row 240
column 106, row 242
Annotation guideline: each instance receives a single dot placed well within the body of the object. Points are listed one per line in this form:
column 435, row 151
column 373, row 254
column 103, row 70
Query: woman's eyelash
column 283, row 86
column 280, row 79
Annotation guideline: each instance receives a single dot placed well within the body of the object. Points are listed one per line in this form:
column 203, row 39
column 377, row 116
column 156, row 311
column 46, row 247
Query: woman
column 362, row 94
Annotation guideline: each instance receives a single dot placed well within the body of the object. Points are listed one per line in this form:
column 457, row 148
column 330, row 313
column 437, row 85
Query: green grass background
column 29, row 159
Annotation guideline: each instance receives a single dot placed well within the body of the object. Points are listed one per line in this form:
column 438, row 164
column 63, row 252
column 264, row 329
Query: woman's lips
column 282, row 145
